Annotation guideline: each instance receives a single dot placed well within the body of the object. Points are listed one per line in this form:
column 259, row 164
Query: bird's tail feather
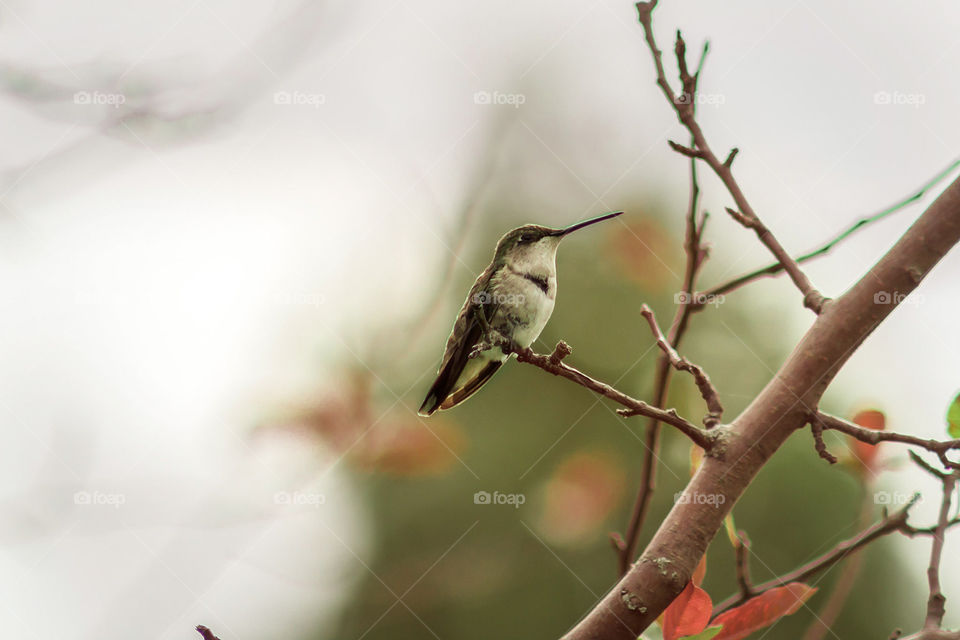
column 445, row 394
column 472, row 386
column 438, row 392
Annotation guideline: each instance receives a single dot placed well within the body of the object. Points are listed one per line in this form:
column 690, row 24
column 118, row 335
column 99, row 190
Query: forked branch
column 873, row 436
column 707, row 390
column 684, row 107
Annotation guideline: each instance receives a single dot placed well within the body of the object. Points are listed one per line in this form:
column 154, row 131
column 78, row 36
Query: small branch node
column 745, row 220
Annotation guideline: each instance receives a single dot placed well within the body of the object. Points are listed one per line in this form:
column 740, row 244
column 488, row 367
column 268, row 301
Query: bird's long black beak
column 587, row 223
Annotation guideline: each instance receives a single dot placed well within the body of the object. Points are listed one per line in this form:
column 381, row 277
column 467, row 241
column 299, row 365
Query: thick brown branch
column 873, row 436
column 553, row 364
column 684, row 108
column 707, row 390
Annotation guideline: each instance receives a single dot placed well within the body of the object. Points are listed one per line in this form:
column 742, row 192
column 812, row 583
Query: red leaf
column 867, row 453
column 688, row 614
column 762, row 611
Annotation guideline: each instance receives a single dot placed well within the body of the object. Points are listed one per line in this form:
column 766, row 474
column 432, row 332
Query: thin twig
column 684, row 108
column 743, row 565
column 776, row 268
column 926, row 466
column 206, row 633
column 873, row 436
column 842, row 589
column 816, row 427
column 936, row 602
column 707, row 390
column 888, row 524
column 553, row 364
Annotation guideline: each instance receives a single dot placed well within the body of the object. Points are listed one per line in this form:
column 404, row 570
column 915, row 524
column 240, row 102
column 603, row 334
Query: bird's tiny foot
column 479, row 348
column 506, row 345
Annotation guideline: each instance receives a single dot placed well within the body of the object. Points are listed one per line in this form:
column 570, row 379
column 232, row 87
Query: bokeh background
column 233, row 237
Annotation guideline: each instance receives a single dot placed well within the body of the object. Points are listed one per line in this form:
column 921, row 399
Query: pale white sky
column 156, row 292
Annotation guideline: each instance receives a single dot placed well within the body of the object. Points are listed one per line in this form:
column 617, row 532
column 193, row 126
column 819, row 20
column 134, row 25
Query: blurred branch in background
column 155, row 104
column 777, row 268
column 459, row 229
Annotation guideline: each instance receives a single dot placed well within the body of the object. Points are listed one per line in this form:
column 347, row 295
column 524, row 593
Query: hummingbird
column 506, row 309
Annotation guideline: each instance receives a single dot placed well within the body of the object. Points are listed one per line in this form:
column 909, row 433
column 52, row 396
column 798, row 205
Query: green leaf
column 706, row 634
column 953, row 418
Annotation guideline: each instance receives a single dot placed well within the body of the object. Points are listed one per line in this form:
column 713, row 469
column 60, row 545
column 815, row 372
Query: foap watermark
column 485, row 497
column 486, row 297
column 299, row 498
column 99, row 499
column 299, row 99
column 99, row 98
column 714, row 100
column 712, row 499
column 896, row 498
column 900, row 98
column 698, row 298
column 895, row 297
column 498, row 98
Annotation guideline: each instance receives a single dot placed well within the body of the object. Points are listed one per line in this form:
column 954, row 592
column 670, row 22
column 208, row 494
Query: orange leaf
column 688, row 614
column 762, row 611
column 581, row 494
column 867, row 453
column 645, row 250
column 408, row 448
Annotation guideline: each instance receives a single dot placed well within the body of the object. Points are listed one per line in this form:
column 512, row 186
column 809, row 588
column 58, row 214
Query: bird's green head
column 536, row 239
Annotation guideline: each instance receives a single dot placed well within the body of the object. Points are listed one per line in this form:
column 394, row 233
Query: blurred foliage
column 471, row 570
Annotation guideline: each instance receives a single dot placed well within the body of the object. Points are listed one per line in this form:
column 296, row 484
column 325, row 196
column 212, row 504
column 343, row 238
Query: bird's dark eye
column 525, row 238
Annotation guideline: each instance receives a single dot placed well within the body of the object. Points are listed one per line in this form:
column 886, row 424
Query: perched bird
column 506, row 309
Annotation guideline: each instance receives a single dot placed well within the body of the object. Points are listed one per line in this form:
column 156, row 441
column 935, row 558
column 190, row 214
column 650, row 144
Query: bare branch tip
column 681, row 149
column 730, row 156
column 817, row 428
column 644, row 9
column 926, row 466
column 616, row 541
column 561, row 351
column 206, row 633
